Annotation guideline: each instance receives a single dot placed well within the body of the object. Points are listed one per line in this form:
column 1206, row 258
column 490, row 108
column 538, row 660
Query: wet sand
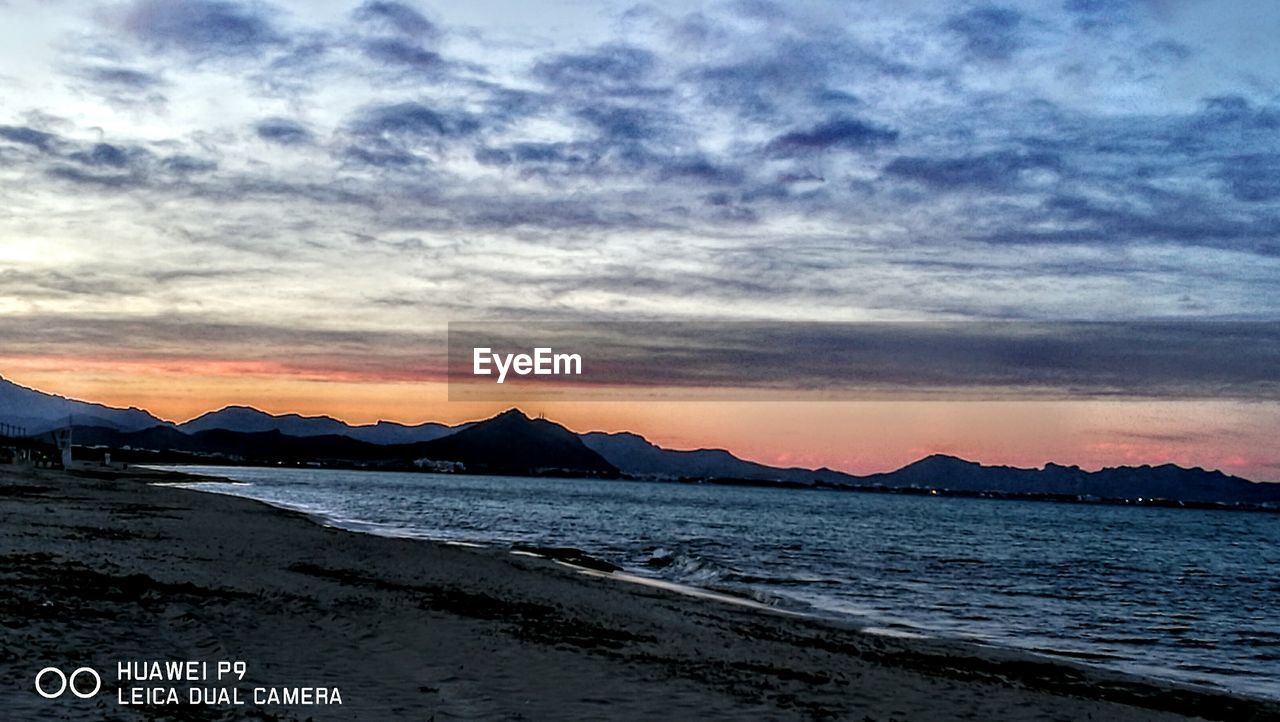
column 98, row 571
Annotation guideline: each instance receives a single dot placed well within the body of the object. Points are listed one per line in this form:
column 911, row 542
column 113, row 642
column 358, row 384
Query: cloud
column 846, row 133
column 554, row 157
column 995, row 170
column 1179, row 219
column 1162, row 360
column 27, row 136
column 183, row 165
column 773, row 77
column 1167, row 51
column 122, row 86
column 202, row 29
column 625, row 123
column 403, row 134
column 105, row 154
column 283, row 131
column 396, row 17
column 989, row 32
column 777, row 160
column 1253, row 178
column 57, row 284
column 187, row 340
column 1237, row 112
column 701, row 169
column 115, row 180
column 413, row 120
column 396, row 52
column 612, row 69
column 122, row 77
column 104, row 165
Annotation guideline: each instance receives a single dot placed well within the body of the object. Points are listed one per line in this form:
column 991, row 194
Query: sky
column 284, row 203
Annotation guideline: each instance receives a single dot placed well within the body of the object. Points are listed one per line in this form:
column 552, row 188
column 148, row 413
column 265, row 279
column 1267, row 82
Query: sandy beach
column 105, row 569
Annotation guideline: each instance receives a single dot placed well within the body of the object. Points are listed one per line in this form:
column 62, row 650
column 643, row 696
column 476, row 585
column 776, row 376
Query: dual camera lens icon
column 52, row 683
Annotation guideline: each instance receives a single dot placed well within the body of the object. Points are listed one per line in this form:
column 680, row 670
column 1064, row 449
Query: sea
column 1180, row 594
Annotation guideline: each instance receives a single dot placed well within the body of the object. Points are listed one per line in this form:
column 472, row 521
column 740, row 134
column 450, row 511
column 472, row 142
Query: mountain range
column 248, row 420
column 513, row 443
column 39, row 412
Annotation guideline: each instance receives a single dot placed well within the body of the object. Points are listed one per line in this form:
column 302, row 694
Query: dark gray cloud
column 556, row 157
column 122, row 77
column 788, row 73
column 558, row 214
column 1254, row 178
column 413, row 120
column 409, row 355
column 404, row 53
column 625, row 124
column 989, row 32
column 27, row 136
column 283, row 131
column 846, row 133
column 996, row 170
column 1235, row 112
column 403, row 134
column 1161, row 360
column 701, row 169
column 202, row 28
column 1181, row 219
column 108, row 179
column 396, row 17
column 610, row 69
column 106, row 166
column 105, row 155
column 122, row 86
column 183, row 165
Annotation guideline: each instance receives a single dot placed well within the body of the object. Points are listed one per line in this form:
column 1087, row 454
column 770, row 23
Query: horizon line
column 1042, row 467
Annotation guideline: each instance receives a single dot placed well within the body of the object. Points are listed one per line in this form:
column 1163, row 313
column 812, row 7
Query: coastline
column 110, row 567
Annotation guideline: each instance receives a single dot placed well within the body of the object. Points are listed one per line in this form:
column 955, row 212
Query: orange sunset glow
column 858, row 437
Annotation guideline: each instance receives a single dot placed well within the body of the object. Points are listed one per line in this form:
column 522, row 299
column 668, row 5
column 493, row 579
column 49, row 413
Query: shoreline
column 411, row 627
column 817, row 486
column 584, row 562
column 889, row 621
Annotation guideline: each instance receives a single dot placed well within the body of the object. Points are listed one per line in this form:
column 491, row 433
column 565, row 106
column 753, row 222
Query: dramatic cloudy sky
column 283, row 202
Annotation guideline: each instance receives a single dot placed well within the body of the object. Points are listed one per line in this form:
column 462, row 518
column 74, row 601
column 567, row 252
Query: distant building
column 440, row 467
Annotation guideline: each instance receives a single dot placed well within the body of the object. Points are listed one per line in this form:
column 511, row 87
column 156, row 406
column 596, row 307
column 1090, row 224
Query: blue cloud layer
column 799, row 159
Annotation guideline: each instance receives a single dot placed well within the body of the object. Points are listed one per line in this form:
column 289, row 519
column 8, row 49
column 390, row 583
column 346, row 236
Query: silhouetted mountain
column 39, row 411
column 232, row 445
column 1168, row 482
column 250, row 420
column 390, row 432
column 157, row 438
column 512, row 443
column 637, row 456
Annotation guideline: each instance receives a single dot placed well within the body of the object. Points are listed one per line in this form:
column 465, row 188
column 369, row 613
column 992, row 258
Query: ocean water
column 1189, row 595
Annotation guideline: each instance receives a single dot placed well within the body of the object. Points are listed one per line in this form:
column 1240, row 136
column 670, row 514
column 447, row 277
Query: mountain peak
column 512, row 442
column 943, row 460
